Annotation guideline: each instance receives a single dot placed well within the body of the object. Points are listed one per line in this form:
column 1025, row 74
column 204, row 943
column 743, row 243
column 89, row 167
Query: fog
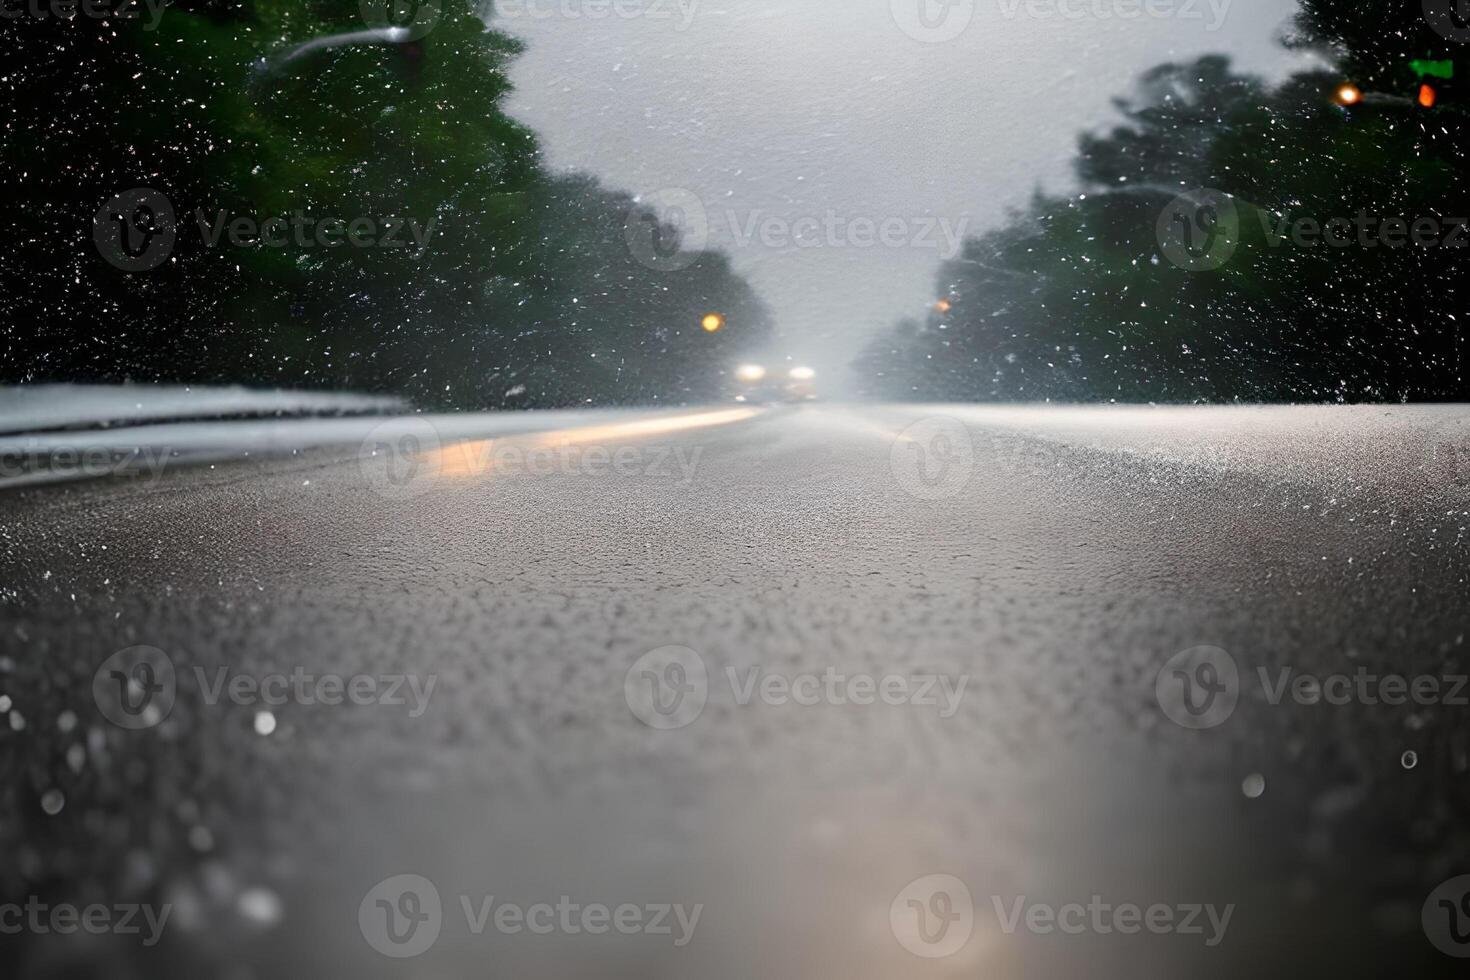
column 804, row 127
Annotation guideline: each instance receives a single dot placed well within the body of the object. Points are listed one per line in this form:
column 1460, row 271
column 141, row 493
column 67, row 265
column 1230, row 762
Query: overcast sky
column 842, row 112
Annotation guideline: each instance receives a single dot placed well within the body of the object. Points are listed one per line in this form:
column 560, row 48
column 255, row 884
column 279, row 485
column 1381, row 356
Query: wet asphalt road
column 861, row 685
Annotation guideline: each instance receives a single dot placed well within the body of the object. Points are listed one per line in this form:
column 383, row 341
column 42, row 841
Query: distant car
column 754, row 383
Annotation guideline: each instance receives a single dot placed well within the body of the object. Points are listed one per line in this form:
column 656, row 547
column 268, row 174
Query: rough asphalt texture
column 1058, row 569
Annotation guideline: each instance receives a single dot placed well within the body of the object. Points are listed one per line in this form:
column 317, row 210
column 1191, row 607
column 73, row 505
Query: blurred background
column 623, row 204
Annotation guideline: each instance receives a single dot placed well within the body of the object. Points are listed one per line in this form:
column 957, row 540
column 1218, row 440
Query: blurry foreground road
column 735, row 692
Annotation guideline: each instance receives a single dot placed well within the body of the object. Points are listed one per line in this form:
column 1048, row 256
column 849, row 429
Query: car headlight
column 750, row 372
column 802, row 374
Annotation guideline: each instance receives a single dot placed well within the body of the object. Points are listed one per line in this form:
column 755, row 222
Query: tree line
column 1230, row 240
column 328, row 195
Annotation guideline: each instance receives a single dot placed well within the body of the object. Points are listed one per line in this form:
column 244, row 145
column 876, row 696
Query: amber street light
column 943, row 306
column 713, row 323
column 1349, row 94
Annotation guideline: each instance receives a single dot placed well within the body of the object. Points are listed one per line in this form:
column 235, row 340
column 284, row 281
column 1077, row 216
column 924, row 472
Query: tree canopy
column 1083, row 296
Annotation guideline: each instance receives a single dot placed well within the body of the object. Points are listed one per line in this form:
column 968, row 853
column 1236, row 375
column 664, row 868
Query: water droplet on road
column 265, row 723
column 1253, row 785
column 1410, row 759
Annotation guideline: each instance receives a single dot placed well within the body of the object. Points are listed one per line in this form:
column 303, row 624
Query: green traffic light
column 1423, row 67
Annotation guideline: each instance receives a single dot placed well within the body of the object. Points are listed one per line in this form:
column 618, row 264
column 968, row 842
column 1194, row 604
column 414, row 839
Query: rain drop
column 1409, row 759
column 1253, row 786
column 52, row 801
column 259, row 906
column 200, row 838
column 265, row 722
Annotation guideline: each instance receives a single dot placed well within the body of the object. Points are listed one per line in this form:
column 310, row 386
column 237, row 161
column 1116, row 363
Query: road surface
column 845, row 691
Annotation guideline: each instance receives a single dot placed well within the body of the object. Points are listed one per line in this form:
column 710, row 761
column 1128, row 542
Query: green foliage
column 525, row 293
column 1077, row 300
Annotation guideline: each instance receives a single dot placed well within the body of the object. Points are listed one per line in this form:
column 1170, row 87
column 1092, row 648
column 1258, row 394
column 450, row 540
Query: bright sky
column 820, row 121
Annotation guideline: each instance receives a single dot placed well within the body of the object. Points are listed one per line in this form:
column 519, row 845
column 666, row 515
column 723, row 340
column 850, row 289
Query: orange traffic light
column 1428, row 96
